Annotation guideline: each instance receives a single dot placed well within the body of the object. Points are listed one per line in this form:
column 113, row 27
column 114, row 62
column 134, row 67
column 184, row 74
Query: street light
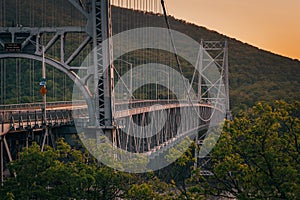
column 43, row 92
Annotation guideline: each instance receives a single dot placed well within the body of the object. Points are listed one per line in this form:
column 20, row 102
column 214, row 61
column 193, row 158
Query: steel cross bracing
column 103, row 69
column 103, row 76
column 217, row 54
column 97, row 29
column 31, row 44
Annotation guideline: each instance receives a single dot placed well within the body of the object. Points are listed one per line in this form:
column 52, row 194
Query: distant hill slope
column 254, row 74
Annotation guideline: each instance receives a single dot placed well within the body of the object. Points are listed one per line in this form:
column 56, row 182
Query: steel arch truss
column 63, row 68
column 27, row 42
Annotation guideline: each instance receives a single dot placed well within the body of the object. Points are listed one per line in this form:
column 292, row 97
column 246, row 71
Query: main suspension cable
column 179, row 65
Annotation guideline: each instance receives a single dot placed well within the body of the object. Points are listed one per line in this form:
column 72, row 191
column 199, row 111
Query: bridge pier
column 196, row 152
column 114, row 137
column 45, row 137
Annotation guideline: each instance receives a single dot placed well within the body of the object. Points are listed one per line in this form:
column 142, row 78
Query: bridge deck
column 29, row 115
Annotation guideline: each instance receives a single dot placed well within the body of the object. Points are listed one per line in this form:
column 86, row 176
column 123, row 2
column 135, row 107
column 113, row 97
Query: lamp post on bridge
column 43, row 92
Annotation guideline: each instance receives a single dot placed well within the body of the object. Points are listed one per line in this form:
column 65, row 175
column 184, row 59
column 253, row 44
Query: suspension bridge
column 116, row 74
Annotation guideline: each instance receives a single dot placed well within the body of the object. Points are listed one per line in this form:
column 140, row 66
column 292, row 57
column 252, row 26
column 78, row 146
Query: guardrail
column 38, row 105
column 119, row 105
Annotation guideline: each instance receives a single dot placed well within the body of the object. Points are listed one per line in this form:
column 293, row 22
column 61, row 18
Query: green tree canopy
column 68, row 173
column 258, row 154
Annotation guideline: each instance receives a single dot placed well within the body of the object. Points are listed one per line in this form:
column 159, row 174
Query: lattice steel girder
column 36, row 30
column 103, row 74
column 218, row 52
column 27, row 36
column 63, row 68
column 80, row 6
column 9, row 33
column 97, row 29
column 214, row 45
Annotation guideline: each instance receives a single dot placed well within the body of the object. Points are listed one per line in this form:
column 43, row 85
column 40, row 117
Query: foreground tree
column 258, row 154
column 67, row 173
column 64, row 173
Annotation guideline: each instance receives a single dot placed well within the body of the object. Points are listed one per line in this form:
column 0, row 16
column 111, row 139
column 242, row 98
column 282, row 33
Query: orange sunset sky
column 273, row 25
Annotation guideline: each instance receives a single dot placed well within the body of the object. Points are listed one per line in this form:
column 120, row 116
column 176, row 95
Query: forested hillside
column 256, row 157
column 255, row 74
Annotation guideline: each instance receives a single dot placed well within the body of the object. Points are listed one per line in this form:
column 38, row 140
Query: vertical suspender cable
column 178, row 63
column 20, row 13
column 18, row 62
column 4, row 14
column 43, row 11
column 30, row 13
column 19, row 81
column 32, row 9
column 30, row 78
column 16, row 79
column 53, row 84
column 33, row 81
column 134, row 4
column 53, row 16
column 1, row 80
column 16, row 16
column 4, row 81
column 170, row 33
column 65, row 85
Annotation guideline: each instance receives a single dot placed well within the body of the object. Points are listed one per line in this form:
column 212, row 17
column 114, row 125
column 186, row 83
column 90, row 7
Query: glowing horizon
column 272, row 25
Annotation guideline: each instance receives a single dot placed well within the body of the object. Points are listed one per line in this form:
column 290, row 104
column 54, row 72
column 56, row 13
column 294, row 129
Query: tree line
column 256, row 157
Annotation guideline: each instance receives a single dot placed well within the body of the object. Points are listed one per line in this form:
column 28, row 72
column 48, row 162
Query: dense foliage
column 257, row 156
column 67, row 173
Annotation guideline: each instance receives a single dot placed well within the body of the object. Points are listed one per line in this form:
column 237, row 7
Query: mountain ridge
column 231, row 37
column 255, row 74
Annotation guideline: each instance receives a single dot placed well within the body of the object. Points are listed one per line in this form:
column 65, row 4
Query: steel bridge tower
column 103, row 66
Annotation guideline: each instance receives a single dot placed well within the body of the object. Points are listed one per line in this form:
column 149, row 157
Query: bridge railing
column 29, row 118
column 38, row 105
column 119, row 105
column 123, row 105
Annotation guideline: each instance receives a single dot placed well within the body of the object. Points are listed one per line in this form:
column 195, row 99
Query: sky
column 272, row 25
